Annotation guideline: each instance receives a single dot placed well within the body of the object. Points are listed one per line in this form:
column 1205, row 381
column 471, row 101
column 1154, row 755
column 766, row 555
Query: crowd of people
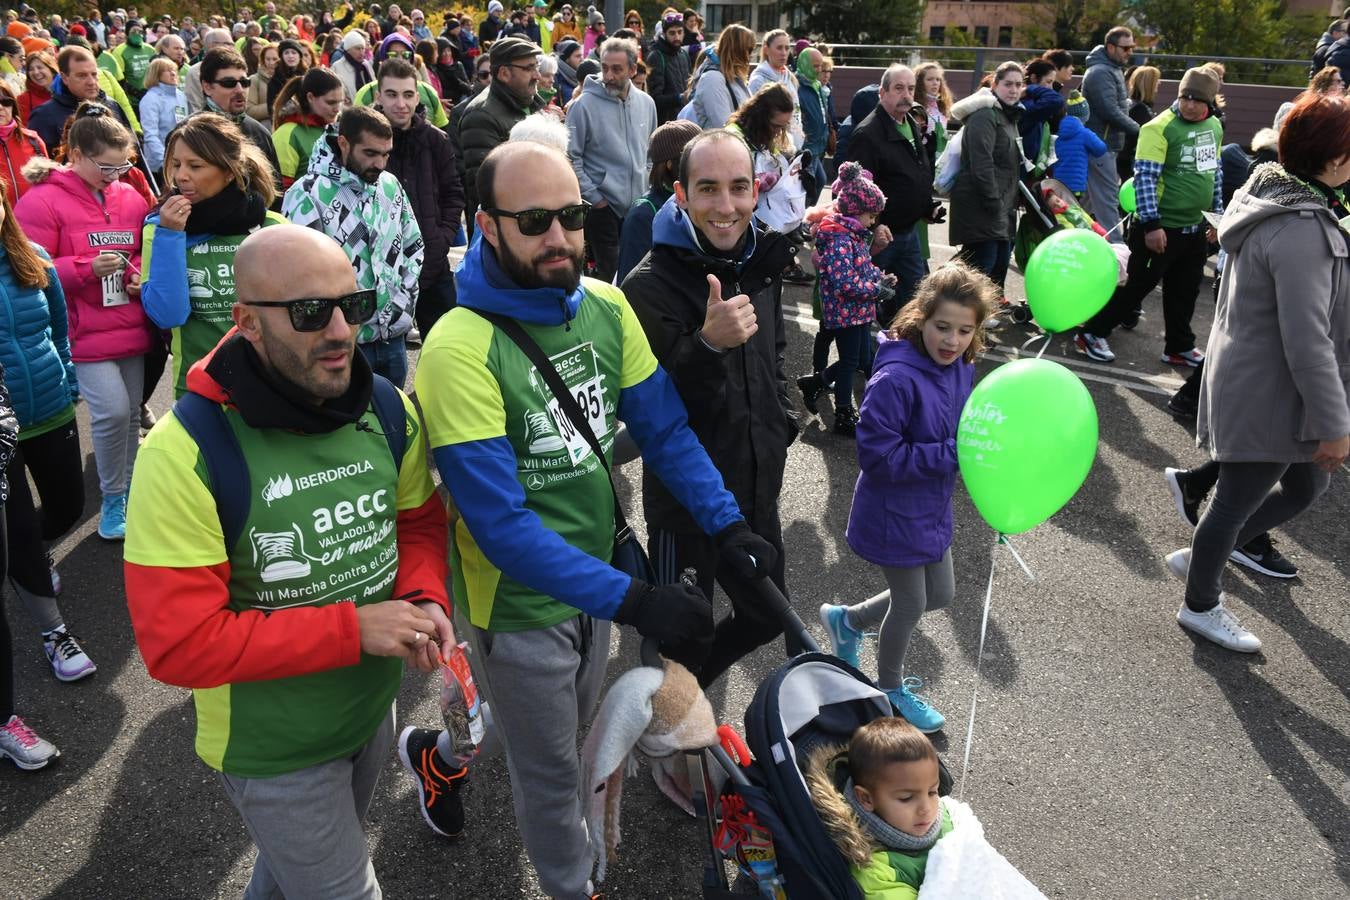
column 213, row 193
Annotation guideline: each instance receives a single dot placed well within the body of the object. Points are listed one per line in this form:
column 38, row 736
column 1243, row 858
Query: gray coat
column 1108, row 101
column 984, row 198
column 607, row 142
column 1277, row 371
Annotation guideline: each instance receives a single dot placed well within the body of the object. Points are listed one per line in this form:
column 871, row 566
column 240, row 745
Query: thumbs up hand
column 728, row 323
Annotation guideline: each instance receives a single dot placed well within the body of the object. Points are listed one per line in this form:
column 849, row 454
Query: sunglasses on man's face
column 534, row 222
column 315, row 313
column 484, row 75
column 230, row 84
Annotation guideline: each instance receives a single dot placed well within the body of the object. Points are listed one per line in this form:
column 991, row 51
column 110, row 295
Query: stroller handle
column 650, row 651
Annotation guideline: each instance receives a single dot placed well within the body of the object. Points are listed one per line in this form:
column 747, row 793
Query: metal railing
column 1239, row 69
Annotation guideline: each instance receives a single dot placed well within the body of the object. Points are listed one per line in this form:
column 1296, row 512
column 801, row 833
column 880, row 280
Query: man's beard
column 306, row 374
column 526, row 275
column 618, row 91
column 369, row 175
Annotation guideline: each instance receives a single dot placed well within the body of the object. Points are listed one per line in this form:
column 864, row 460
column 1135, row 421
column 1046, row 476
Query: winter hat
column 354, row 39
column 565, row 48
column 508, row 50
column 1199, row 84
column 855, row 193
column 1078, row 107
column 588, row 67
column 77, row 28
column 495, row 7
column 594, row 18
column 668, row 141
column 395, row 38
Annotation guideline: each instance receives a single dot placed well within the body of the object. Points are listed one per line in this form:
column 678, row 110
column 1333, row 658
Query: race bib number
column 115, row 289
column 590, row 397
column 1206, row 153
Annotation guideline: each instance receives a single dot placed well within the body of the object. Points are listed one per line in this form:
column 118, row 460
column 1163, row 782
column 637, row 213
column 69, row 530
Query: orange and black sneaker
column 438, row 783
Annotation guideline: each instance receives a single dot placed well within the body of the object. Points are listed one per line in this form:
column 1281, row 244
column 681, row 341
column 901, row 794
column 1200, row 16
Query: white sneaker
column 1220, row 626
column 23, row 747
column 1179, row 562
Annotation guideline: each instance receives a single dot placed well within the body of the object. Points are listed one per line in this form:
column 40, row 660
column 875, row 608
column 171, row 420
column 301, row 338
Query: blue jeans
column 388, row 358
column 990, row 257
column 903, row 259
column 433, row 301
column 852, row 344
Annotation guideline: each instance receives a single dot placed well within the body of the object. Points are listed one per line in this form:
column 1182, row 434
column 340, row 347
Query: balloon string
column 979, row 659
column 1003, row 539
column 1115, row 226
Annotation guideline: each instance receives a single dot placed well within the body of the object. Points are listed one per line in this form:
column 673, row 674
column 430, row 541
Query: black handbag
column 629, row 556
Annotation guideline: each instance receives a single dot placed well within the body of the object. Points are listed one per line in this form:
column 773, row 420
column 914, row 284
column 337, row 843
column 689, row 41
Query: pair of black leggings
column 53, row 459
column 6, row 642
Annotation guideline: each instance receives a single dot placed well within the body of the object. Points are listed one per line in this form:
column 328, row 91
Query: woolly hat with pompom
column 855, row 193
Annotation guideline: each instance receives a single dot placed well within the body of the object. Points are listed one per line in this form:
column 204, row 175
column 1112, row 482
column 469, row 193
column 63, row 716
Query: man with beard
column 294, row 655
column 668, row 80
column 224, row 81
column 536, row 530
column 347, row 194
column 424, row 162
column 609, row 127
column 710, row 299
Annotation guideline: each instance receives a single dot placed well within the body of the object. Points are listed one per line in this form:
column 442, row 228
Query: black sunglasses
column 230, row 84
column 534, row 222
column 314, row 314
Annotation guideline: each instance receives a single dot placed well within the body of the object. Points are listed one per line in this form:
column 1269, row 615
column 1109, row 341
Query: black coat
column 667, row 78
column 903, row 170
column 424, row 162
column 49, row 119
column 737, row 401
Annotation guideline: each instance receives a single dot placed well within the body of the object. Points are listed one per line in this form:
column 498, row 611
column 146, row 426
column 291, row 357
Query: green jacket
column 895, row 874
column 985, row 196
column 430, row 102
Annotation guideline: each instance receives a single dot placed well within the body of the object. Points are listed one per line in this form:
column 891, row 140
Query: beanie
column 1199, row 84
column 1078, row 107
column 668, row 141
column 565, row 48
column 495, row 7
column 854, row 192
column 353, row 39
column 594, row 18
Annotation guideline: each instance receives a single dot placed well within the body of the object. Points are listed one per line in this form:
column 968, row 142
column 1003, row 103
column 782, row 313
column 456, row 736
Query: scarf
column 212, row 107
column 232, row 211
column 265, row 400
column 806, row 72
column 6, row 131
column 567, row 73
column 888, row 835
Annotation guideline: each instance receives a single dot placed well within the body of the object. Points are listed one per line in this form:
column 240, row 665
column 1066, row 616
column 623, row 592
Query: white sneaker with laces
column 68, row 659
column 1220, row 626
column 21, row 744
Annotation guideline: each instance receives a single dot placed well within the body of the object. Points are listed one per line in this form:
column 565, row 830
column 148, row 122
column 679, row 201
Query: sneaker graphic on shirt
column 540, row 433
column 199, row 286
column 275, row 554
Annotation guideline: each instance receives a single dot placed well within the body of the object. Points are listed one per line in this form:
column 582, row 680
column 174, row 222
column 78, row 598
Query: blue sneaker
column 843, row 637
column 112, row 523
column 915, row 709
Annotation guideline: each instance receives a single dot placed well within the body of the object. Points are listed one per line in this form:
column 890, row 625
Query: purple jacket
column 902, row 503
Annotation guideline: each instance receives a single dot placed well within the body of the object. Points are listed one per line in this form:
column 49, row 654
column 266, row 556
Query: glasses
column 484, row 75
column 113, row 171
column 534, row 222
column 397, row 54
column 9, row 101
column 533, row 70
column 230, row 84
column 315, row 313
column 1125, row 46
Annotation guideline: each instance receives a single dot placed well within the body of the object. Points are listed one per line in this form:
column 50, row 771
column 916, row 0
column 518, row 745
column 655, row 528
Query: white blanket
column 964, row 865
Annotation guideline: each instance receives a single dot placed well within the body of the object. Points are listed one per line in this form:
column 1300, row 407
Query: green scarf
column 806, row 72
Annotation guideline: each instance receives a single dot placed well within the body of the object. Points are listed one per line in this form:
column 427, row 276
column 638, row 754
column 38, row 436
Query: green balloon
column 1069, row 278
column 1127, row 201
column 1026, row 441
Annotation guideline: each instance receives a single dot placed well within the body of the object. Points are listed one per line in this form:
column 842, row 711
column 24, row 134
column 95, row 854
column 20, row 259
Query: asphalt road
column 1113, row 756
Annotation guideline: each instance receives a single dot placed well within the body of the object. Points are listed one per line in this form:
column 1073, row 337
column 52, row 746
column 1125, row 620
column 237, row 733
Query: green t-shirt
column 51, row 423
column 1189, row 154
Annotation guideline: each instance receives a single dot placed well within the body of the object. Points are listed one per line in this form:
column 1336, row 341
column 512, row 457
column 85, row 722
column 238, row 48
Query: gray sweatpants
column 308, row 825
column 1103, row 188
column 542, row 685
column 112, row 388
column 913, row 592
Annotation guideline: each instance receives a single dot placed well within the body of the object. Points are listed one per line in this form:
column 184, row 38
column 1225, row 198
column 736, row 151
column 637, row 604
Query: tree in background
column 1071, row 24
column 1260, row 28
column 856, row 21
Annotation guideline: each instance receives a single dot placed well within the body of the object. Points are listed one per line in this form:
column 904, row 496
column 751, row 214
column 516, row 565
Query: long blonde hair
column 734, row 46
column 1144, row 84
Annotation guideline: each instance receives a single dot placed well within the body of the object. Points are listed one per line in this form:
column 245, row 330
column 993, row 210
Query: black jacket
column 49, row 119
column 737, row 401
column 1338, row 55
column 902, row 170
column 667, row 78
column 423, row 160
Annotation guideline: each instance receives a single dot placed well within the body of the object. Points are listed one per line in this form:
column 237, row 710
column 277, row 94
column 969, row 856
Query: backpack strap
column 393, row 416
column 226, row 468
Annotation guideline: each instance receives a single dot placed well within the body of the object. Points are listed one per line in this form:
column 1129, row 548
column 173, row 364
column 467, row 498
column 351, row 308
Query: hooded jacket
column 426, row 95
column 984, row 198
column 1104, row 87
column 737, row 400
column 1074, row 143
column 607, row 143
column 49, row 119
column 536, row 526
column 850, row 283
column 376, row 227
column 881, row 873
column 61, row 214
column 35, row 345
column 903, row 170
column 714, row 98
column 1039, row 104
column 765, row 74
column 423, row 160
column 902, row 502
column 667, row 78
column 1277, row 369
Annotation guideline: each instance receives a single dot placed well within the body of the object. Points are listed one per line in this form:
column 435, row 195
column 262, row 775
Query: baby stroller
column 768, row 825
column 1050, row 207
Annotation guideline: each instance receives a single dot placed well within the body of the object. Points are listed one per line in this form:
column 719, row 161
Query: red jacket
column 31, row 99
column 21, row 146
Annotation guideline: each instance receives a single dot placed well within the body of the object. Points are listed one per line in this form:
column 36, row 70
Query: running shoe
column 1260, row 555
column 845, row 640
column 914, row 708
column 112, row 520
column 1093, row 347
column 1192, row 358
column 56, row 576
column 1187, row 506
column 21, row 745
column 68, row 659
column 795, row 274
column 438, row 784
column 1220, row 626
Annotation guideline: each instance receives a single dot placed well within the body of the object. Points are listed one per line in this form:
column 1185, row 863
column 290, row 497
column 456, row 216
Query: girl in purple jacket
column 901, row 518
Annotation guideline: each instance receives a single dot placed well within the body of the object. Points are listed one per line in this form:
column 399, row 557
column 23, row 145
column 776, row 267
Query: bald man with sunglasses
column 285, row 557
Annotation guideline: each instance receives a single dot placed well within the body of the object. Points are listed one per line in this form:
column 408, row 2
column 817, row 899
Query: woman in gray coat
column 1273, row 405
column 984, row 198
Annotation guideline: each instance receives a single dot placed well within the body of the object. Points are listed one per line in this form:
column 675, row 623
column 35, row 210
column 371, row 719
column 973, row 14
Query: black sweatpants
column 602, row 233
column 53, row 459
column 1181, row 269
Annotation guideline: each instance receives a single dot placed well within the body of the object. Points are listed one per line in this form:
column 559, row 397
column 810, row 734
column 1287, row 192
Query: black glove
column 747, row 554
column 676, row 615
